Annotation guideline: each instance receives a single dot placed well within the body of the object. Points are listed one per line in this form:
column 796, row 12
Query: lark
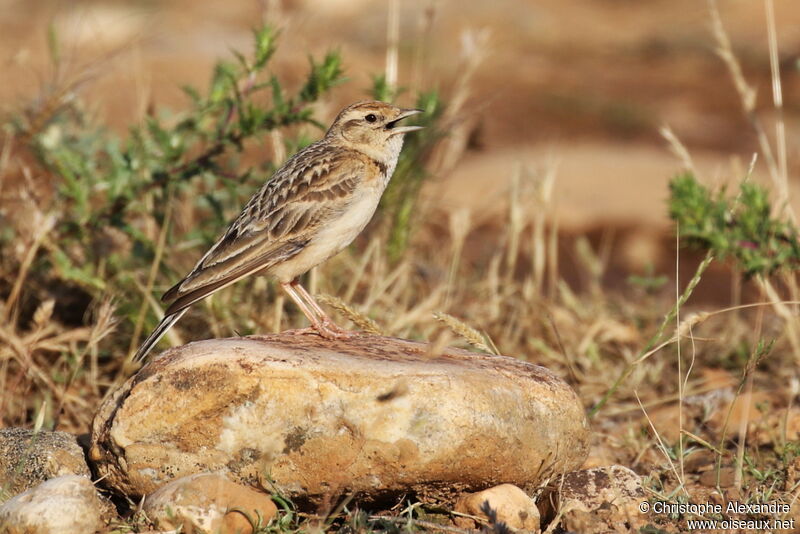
column 313, row 207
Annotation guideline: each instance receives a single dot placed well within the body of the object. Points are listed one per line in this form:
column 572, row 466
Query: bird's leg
column 326, row 327
column 326, row 320
column 309, row 312
column 320, row 322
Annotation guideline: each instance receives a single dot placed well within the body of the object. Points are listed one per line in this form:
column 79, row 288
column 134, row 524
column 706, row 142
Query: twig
column 661, row 445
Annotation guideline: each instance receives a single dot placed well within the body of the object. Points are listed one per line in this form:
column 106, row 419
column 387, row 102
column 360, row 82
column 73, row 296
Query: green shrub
column 742, row 228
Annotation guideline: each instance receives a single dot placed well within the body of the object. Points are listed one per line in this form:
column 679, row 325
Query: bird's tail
column 165, row 324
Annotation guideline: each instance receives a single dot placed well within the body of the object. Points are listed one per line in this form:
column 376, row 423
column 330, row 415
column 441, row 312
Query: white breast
column 340, row 232
column 333, row 237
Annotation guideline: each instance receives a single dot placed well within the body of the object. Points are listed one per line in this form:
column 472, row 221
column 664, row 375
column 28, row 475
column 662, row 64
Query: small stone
column 369, row 415
column 743, row 409
column 28, row 458
column 512, row 505
column 725, row 478
column 208, row 503
column 699, row 461
column 776, row 426
column 714, row 378
column 64, row 504
column 598, row 500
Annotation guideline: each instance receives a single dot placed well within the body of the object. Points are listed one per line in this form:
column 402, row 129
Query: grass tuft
column 466, row 332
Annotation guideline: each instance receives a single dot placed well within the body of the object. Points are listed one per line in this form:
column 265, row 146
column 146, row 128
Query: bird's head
column 372, row 127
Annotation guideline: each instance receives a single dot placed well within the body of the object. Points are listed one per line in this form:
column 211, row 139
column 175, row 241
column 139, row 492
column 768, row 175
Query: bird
column 311, row 208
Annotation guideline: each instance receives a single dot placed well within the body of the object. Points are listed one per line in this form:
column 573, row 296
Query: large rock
column 67, row 504
column 28, row 458
column 371, row 415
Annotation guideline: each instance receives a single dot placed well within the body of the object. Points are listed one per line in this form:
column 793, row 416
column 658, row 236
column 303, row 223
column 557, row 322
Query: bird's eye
column 371, row 117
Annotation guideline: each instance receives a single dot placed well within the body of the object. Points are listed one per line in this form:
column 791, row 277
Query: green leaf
column 322, row 77
column 381, row 90
column 265, row 46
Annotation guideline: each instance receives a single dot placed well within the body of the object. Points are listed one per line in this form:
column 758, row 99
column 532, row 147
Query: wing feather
column 277, row 223
column 185, row 297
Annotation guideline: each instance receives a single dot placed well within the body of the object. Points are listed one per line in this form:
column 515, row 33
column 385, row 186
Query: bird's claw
column 326, row 330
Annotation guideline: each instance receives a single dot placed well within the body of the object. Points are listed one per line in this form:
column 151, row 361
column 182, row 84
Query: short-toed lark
column 312, row 208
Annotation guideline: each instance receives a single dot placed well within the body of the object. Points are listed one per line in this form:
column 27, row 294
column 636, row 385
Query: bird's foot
column 325, row 329
column 330, row 330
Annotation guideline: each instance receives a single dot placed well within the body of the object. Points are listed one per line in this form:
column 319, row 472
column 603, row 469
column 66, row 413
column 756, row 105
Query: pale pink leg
column 326, row 321
column 320, row 322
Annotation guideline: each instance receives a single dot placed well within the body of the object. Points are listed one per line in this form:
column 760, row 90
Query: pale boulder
column 64, row 504
column 371, row 415
column 208, row 503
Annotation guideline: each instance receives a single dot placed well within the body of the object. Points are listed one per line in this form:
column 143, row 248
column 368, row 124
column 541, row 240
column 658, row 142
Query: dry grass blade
column 392, row 43
column 678, row 149
column 747, row 96
column 474, row 50
column 437, row 347
column 649, row 348
column 790, row 319
column 662, row 447
column 545, row 254
column 725, row 52
column 44, row 226
column 371, row 251
column 358, row 318
column 564, row 508
column 459, row 223
column 419, row 313
column 777, row 99
column 466, row 332
column 516, row 223
column 151, row 276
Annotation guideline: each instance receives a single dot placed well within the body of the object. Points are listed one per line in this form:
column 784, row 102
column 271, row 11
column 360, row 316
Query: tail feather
column 165, row 324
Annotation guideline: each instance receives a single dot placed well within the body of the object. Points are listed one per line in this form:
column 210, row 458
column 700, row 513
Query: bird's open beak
column 403, row 129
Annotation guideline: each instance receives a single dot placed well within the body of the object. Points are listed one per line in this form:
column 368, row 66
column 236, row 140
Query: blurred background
column 582, row 86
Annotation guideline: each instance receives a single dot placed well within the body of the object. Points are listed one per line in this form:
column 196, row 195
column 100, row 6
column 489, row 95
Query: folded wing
column 313, row 187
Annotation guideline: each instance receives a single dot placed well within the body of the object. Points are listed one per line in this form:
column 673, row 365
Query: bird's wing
column 277, row 223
